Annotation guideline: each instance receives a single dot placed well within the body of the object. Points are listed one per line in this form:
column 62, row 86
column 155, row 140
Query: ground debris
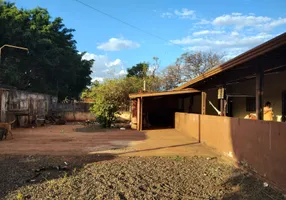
column 152, row 178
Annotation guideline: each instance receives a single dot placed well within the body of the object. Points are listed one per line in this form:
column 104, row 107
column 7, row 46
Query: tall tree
column 155, row 66
column 172, row 77
column 195, row 64
column 189, row 66
column 53, row 64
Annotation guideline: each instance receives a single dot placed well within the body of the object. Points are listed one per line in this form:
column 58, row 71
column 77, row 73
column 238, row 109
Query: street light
column 11, row 46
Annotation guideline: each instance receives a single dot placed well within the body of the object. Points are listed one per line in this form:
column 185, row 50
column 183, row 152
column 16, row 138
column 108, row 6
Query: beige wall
column 274, row 85
column 260, row 144
column 78, row 116
column 187, row 124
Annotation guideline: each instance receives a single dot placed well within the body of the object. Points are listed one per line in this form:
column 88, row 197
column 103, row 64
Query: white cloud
column 240, row 21
column 114, row 63
column 274, row 23
column 187, row 40
column 117, row 44
column 207, row 32
column 234, row 33
column 231, row 34
column 203, row 22
column 123, row 72
column 166, row 15
column 197, row 48
column 185, row 13
column 100, row 79
column 236, row 13
column 104, row 67
column 228, row 43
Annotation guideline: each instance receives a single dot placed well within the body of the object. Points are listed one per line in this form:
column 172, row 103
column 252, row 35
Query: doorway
column 230, row 107
column 284, row 106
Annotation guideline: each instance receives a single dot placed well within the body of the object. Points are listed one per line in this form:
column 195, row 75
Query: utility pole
column 11, row 46
column 144, row 76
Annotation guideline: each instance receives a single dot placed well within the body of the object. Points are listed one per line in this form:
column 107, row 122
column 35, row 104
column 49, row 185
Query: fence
column 261, row 144
column 73, row 107
column 75, row 111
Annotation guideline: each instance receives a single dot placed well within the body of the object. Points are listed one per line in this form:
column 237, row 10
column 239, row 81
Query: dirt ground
column 75, row 162
column 78, row 140
column 137, row 178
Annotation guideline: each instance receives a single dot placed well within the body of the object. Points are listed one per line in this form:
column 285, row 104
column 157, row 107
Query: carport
column 152, row 110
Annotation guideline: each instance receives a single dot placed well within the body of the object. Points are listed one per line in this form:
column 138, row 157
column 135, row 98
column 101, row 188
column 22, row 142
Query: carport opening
column 159, row 111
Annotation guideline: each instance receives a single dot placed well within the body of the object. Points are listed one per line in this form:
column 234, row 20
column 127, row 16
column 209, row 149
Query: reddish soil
column 64, row 140
column 80, row 140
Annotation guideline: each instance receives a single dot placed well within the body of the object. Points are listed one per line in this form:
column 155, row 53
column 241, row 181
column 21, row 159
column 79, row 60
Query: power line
column 126, row 23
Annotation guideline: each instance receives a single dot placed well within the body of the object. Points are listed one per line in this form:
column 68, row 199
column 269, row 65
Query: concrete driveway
column 77, row 140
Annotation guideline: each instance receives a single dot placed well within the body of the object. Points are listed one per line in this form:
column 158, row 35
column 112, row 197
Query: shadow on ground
column 246, row 185
column 97, row 128
column 159, row 148
column 18, row 171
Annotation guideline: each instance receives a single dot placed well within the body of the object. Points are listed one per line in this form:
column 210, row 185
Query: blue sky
column 229, row 27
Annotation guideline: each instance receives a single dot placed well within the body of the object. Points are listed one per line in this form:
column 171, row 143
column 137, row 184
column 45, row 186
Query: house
column 236, row 88
column 211, row 108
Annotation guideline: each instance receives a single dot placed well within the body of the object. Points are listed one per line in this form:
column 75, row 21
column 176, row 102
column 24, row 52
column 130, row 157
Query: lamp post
column 11, row 46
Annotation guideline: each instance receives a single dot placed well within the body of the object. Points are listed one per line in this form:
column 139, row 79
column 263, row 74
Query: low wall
column 188, row 124
column 82, row 116
column 260, row 144
column 70, row 107
column 78, row 116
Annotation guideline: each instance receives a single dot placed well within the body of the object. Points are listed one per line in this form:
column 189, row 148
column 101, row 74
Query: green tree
column 111, row 96
column 139, row 70
column 53, row 64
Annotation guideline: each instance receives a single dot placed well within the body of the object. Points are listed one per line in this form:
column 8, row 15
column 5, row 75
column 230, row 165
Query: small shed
column 151, row 110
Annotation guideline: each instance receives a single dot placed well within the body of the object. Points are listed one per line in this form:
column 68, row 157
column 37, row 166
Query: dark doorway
column 284, row 106
column 229, row 107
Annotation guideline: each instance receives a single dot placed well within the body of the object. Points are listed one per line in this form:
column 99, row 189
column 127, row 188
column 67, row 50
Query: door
column 284, row 106
column 229, row 107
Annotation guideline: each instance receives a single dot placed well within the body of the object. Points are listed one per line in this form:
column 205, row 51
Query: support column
column 141, row 114
column 221, row 97
column 204, row 102
column 138, row 114
column 259, row 93
column 222, row 111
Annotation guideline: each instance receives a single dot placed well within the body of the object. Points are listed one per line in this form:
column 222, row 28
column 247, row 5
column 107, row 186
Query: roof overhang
column 165, row 93
column 242, row 58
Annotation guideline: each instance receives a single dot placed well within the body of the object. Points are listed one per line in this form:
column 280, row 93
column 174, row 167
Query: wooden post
column 259, row 93
column 141, row 114
column 222, row 101
column 204, row 102
column 222, row 107
column 138, row 114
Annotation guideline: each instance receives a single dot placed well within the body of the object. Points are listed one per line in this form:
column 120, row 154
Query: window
column 250, row 104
